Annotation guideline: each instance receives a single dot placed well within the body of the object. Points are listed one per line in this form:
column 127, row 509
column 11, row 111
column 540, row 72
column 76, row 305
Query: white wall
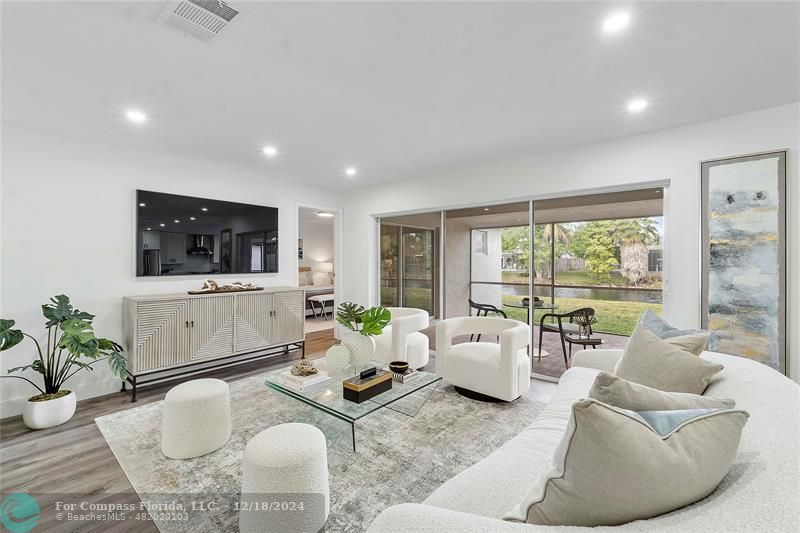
column 672, row 155
column 68, row 227
column 317, row 242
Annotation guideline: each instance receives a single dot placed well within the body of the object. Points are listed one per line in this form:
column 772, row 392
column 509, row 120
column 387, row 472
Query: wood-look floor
column 74, row 457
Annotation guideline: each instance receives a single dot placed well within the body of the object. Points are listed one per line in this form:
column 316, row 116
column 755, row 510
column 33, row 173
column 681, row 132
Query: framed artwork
column 744, row 256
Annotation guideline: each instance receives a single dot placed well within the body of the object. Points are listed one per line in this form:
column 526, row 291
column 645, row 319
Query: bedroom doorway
column 316, row 260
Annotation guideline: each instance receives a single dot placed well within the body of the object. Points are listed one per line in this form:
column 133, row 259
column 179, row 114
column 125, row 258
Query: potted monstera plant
column 362, row 325
column 71, row 346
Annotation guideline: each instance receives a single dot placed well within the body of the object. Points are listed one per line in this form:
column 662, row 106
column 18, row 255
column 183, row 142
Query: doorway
column 316, row 259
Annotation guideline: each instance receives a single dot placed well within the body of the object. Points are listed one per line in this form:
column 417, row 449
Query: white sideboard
column 165, row 332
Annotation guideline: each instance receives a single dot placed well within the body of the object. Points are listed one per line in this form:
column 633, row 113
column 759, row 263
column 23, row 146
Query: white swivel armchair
column 499, row 371
column 401, row 340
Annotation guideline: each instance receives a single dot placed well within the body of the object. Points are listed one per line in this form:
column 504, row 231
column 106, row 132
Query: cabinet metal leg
column 123, row 389
column 353, row 429
column 133, row 384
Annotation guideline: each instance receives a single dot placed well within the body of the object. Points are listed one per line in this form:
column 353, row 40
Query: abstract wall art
column 744, row 256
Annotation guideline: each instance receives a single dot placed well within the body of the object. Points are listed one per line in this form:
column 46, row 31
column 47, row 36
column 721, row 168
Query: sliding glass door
column 409, row 257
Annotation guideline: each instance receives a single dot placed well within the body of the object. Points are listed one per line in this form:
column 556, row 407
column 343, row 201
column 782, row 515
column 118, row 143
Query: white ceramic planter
column 338, row 357
column 362, row 348
column 43, row 415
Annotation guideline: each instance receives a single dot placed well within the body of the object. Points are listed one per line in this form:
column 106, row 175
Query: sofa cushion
column 618, row 392
column 614, row 465
column 490, row 486
column 663, row 329
column 653, row 362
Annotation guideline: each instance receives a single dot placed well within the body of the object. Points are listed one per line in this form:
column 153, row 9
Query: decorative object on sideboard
column 300, row 249
column 363, row 324
column 211, row 286
column 304, row 368
column 744, row 206
column 71, row 347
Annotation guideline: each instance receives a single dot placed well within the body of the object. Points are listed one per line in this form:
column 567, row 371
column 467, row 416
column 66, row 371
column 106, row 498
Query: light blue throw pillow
column 661, row 328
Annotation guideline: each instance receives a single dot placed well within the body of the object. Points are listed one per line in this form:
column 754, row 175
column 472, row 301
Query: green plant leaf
column 374, row 320
column 349, row 315
column 79, row 339
column 20, row 368
column 9, row 337
column 61, row 310
column 118, row 364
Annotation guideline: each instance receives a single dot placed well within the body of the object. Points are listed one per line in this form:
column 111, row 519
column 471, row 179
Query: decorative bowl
column 399, row 367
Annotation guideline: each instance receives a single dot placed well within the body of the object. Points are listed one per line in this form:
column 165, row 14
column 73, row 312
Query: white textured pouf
column 197, row 418
column 285, row 481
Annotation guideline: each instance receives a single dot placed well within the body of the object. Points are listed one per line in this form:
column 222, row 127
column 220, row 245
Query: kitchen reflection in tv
column 184, row 235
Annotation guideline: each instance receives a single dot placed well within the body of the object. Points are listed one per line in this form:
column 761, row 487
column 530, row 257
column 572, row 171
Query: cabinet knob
column 187, row 323
column 192, row 323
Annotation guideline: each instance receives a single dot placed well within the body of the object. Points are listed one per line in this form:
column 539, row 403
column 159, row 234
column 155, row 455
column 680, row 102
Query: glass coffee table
column 405, row 398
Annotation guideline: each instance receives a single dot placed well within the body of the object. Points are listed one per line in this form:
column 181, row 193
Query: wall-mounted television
column 185, row 235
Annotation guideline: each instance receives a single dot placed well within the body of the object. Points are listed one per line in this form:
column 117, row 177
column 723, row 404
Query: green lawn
column 612, row 317
column 579, row 277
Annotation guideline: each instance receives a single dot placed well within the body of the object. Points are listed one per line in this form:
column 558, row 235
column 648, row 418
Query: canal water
column 611, row 294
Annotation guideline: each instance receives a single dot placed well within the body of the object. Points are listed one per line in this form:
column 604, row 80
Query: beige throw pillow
column 614, row 466
column 693, row 343
column 654, row 362
column 618, row 392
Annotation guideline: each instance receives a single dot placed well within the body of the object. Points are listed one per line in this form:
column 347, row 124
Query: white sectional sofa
column 760, row 493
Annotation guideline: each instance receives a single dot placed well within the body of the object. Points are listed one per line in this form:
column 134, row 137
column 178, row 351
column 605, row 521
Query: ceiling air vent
column 202, row 19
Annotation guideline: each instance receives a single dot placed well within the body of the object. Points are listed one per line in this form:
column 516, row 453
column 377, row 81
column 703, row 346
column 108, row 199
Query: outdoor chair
column 562, row 328
column 485, row 309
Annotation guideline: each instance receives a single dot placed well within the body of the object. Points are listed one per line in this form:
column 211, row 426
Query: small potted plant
column 71, row 347
column 363, row 324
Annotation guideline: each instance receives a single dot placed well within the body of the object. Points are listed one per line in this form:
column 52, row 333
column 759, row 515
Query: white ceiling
column 395, row 89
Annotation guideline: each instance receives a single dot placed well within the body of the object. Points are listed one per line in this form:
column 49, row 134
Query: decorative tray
column 217, row 291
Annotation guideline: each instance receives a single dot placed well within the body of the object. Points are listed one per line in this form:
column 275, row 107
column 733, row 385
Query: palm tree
column 633, row 236
column 543, row 238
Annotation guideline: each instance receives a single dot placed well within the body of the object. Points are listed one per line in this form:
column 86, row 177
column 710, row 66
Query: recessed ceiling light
column 142, row 204
column 485, row 208
column 324, row 214
column 135, row 116
column 148, row 229
column 192, row 218
column 616, row 22
column 203, row 209
column 270, row 151
column 637, row 104
column 351, row 171
column 162, row 224
column 176, row 221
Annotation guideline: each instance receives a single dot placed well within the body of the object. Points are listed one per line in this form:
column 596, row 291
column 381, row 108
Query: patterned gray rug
column 399, row 458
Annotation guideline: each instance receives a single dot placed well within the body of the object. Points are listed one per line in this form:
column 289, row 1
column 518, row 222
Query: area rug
column 398, row 459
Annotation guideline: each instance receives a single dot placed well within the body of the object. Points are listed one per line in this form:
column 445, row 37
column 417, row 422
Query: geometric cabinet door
column 161, row 335
column 253, row 321
column 211, row 327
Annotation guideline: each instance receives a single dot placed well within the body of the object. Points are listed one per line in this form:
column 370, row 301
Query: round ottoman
column 285, row 481
column 197, row 418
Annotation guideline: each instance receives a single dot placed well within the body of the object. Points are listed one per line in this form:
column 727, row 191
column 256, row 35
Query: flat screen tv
column 183, row 235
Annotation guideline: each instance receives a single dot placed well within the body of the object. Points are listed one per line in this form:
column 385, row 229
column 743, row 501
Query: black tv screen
column 183, row 235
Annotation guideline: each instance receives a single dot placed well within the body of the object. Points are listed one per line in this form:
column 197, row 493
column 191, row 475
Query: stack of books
column 304, row 383
column 403, row 378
